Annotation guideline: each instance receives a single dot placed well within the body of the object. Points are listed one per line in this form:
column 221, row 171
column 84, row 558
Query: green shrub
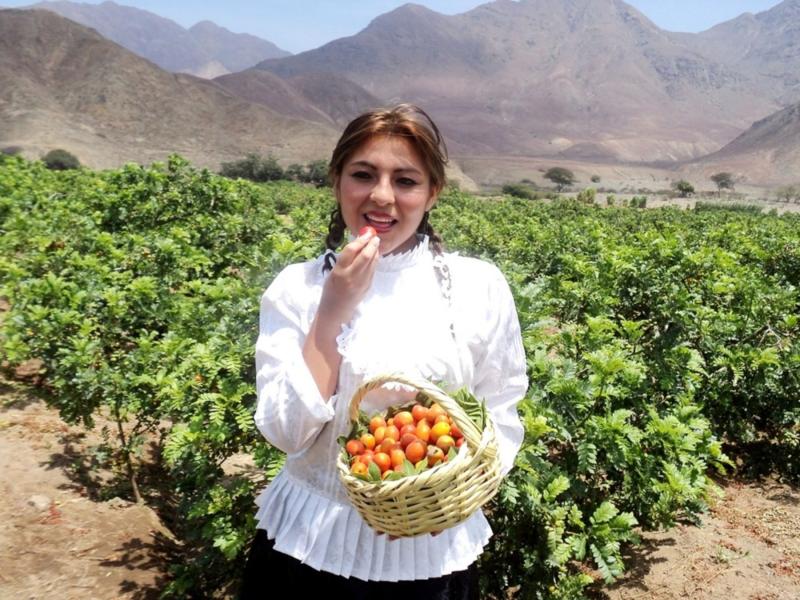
column 519, row 190
column 253, row 167
column 61, row 160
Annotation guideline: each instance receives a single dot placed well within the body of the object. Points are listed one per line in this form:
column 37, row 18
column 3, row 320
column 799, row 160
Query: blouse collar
column 409, row 258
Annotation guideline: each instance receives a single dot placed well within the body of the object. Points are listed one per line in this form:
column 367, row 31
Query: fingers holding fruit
column 351, row 275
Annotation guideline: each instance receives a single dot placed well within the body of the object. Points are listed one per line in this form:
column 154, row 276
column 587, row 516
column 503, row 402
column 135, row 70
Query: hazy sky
column 298, row 25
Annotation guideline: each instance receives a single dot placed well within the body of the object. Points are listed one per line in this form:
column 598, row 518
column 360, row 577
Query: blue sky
column 298, row 25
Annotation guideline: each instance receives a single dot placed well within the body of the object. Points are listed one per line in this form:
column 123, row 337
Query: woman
column 389, row 302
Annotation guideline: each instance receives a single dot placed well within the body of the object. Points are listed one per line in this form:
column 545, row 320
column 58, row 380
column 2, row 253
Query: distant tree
column 788, row 193
column 61, row 160
column 295, row 172
column 560, row 176
column 519, row 190
column 595, row 178
column 723, row 180
column 317, row 172
column 253, row 167
column 683, row 187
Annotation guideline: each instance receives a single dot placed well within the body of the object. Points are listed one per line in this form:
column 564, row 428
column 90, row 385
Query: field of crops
column 662, row 347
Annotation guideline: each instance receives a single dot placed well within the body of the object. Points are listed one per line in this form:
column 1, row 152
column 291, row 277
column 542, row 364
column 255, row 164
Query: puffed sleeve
column 500, row 376
column 290, row 411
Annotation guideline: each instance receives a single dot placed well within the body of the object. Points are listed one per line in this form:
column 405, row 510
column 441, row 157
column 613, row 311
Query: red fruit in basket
column 359, row 468
column 434, row 411
column 382, row 460
column 445, row 442
column 459, row 442
column 442, row 419
column 380, row 434
column 366, row 456
column 423, row 431
column 368, row 440
column 367, row 229
column 403, row 418
column 416, row 451
column 397, row 456
column 407, row 439
column 375, row 422
column 387, row 445
column 354, row 447
column 408, row 429
column 419, row 412
column 455, row 431
column 435, row 456
column 439, row 430
column 393, row 432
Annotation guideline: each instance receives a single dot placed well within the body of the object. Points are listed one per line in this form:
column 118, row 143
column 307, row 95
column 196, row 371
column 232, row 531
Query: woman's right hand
column 350, row 278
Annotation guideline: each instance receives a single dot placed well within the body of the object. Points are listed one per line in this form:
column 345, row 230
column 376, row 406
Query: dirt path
column 55, row 541
column 58, row 542
column 747, row 549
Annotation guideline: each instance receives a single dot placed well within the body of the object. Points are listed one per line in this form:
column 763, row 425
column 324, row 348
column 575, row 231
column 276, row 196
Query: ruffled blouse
column 406, row 324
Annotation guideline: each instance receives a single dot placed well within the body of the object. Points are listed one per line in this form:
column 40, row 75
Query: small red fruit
column 367, row 228
column 354, row 447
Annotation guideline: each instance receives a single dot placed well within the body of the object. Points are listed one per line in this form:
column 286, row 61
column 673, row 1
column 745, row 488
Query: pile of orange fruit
column 406, row 441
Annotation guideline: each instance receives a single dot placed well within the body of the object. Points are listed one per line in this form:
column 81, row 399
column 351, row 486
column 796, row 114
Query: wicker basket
column 436, row 498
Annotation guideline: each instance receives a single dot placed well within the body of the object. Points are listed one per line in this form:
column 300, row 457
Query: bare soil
column 59, row 539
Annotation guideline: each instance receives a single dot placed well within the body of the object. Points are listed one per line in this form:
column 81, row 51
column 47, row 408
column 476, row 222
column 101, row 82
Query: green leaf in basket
column 374, row 472
column 341, row 440
column 421, row 465
column 452, row 453
column 475, row 409
column 408, row 467
column 394, row 476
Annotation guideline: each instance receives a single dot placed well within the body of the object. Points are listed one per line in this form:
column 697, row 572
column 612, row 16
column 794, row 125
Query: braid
column 336, row 229
column 435, row 241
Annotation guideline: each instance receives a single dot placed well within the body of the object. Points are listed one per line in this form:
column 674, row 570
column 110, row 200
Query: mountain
column 589, row 79
column 769, row 151
column 322, row 97
column 765, row 47
column 205, row 49
column 64, row 85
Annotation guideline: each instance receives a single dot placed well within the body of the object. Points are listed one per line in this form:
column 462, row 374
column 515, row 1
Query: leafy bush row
column 652, row 337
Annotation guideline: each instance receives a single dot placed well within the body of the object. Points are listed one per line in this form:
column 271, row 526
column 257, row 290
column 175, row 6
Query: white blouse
column 402, row 325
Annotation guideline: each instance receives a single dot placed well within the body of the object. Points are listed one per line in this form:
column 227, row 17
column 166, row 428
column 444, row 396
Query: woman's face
column 386, row 185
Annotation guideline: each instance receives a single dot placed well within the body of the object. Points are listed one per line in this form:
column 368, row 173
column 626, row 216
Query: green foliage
column 587, row 196
column 735, row 207
column 253, row 167
column 683, row 188
column 315, row 172
column 560, row 176
column 638, row 202
column 595, row 179
column 520, row 190
column 650, row 336
column 61, row 160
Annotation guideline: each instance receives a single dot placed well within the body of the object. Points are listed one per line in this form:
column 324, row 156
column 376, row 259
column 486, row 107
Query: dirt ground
column 57, row 540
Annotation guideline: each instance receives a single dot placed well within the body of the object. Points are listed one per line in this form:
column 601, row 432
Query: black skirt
column 267, row 569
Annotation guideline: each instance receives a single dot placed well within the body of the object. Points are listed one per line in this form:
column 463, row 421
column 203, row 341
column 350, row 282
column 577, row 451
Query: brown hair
column 404, row 120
